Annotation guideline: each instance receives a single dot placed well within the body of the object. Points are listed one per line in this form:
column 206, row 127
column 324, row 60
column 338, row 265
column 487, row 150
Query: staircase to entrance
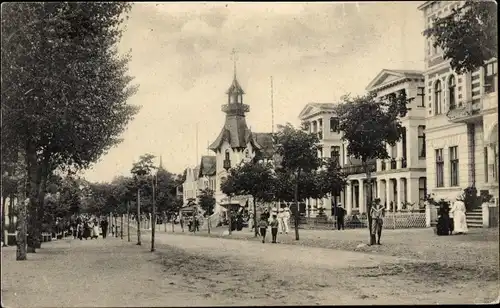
column 475, row 218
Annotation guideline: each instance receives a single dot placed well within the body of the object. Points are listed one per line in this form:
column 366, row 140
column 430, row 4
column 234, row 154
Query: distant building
column 321, row 119
column 462, row 120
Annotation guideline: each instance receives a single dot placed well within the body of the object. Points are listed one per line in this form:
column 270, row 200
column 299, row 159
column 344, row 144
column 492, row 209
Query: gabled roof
column 235, row 132
column 235, row 87
column 208, row 166
column 312, row 108
column 387, row 76
column 264, row 144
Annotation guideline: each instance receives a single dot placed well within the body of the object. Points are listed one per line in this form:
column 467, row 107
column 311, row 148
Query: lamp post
column 153, row 220
column 227, row 165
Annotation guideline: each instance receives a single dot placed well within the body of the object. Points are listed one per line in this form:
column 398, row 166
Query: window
column 454, row 166
column 335, row 153
column 334, row 124
column 486, row 165
column 404, row 143
column 320, row 152
column 490, row 71
column 421, row 141
column 437, row 97
column 451, row 92
column 439, row 168
column 315, row 127
column 422, row 190
column 320, row 125
column 421, row 95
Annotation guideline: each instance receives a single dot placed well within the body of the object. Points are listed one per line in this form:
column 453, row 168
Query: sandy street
column 188, row 270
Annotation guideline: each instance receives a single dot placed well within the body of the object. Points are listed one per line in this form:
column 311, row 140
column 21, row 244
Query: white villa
column 462, row 120
column 399, row 180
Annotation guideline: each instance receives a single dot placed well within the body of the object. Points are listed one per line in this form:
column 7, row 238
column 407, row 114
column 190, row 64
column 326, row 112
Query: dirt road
column 195, row 271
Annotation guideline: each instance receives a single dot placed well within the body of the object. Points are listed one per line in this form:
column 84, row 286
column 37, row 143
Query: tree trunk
column 369, row 203
column 256, row 230
column 21, row 233
column 208, row 224
column 116, row 224
column 128, row 221
column 173, row 223
column 153, row 221
column 296, row 197
column 4, row 237
column 11, row 214
column 121, row 226
column 138, row 217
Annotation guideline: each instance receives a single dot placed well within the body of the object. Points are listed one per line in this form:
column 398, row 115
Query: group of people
column 277, row 220
column 84, row 227
column 452, row 220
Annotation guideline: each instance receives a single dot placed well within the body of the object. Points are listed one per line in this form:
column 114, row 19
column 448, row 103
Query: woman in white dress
column 458, row 213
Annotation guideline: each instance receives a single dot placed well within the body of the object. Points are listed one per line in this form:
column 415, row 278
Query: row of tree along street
column 64, row 105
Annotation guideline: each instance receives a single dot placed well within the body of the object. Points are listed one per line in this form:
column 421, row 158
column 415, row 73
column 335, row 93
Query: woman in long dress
column 458, row 213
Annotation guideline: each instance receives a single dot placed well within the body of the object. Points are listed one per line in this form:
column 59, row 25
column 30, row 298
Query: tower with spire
column 236, row 143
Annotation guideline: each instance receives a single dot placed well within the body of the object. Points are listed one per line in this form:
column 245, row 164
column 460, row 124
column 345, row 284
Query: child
column 274, row 227
column 263, row 227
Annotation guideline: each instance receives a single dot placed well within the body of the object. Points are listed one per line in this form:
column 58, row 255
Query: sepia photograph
column 198, row 154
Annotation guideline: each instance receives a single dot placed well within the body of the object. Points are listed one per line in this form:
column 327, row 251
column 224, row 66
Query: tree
column 252, row 178
column 468, row 36
column 70, row 118
column 331, row 179
column 206, row 201
column 142, row 171
column 368, row 125
column 299, row 153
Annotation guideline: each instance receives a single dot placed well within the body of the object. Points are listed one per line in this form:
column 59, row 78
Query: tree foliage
column 64, row 87
column 331, row 178
column 252, row 178
column 206, row 201
column 468, row 36
column 368, row 124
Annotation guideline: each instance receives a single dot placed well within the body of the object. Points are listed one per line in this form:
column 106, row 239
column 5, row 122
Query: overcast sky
column 316, row 52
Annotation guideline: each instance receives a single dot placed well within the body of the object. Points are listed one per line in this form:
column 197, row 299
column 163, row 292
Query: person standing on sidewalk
column 104, row 227
column 274, row 228
column 286, row 219
column 263, row 227
column 377, row 214
column 340, row 217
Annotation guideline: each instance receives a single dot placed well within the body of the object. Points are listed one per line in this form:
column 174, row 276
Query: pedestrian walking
column 263, row 227
column 340, row 217
column 274, row 228
column 286, row 219
column 458, row 212
column 181, row 221
column 281, row 224
column 95, row 230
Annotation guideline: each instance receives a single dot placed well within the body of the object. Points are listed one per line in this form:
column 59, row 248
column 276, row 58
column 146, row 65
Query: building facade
column 400, row 182
column 462, row 120
column 320, row 119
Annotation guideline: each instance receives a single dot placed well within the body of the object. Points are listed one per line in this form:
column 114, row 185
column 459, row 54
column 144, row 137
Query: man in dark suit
column 104, row 227
column 340, row 217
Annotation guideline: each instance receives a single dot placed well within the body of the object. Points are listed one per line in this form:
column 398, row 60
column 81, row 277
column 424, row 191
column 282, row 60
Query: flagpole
column 272, row 106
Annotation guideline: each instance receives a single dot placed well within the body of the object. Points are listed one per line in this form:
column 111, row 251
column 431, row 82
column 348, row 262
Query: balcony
column 320, row 135
column 235, row 108
column 469, row 112
column 358, row 169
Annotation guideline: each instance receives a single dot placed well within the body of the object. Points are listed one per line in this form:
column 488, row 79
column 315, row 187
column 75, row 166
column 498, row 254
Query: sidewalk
column 102, row 272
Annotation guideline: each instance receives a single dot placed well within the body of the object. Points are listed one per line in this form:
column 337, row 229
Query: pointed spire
column 233, row 53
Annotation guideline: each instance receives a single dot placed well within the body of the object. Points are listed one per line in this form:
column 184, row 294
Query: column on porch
column 381, row 191
column 399, row 193
column 389, row 193
column 399, row 158
column 348, row 198
column 413, row 191
column 362, row 196
column 388, row 161
column 491, row 162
